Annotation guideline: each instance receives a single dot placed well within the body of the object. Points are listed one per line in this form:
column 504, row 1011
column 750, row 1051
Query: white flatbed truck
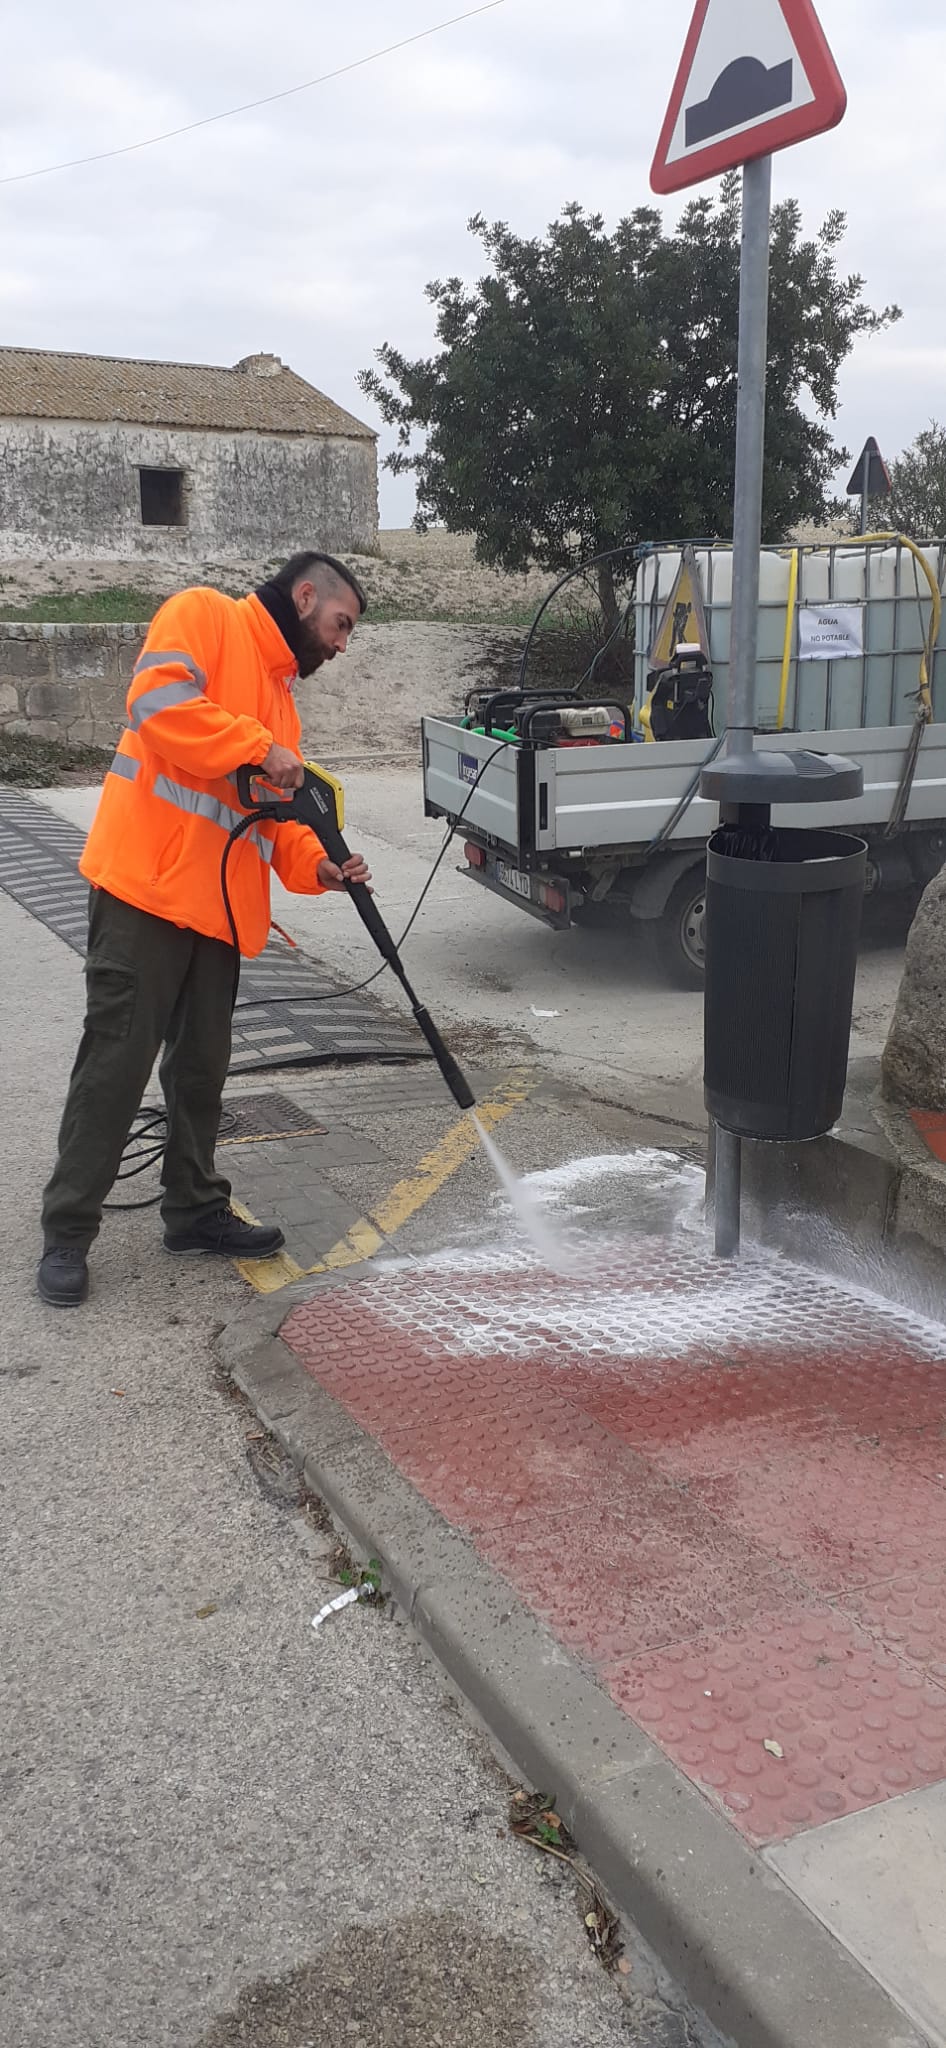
column 553, row 829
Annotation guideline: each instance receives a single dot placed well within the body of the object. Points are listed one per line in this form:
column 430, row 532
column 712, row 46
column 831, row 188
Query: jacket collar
column 276, row 652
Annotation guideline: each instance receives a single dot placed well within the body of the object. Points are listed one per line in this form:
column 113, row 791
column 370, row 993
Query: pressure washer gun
column 316, row 804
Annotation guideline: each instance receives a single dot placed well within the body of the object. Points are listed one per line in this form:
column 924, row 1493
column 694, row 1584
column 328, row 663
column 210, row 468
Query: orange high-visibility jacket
column 210, row 692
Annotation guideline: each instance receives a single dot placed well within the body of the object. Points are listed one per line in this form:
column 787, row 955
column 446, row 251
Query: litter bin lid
column 796, row 778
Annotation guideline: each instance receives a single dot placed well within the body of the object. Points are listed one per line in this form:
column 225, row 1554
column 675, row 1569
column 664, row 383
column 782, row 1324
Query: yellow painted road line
column 266, row 1275
column 412, row 1194
column 406, row 1198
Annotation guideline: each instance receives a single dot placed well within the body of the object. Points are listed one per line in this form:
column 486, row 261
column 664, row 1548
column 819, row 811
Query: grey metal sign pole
column 750, row 450
column 747, row 544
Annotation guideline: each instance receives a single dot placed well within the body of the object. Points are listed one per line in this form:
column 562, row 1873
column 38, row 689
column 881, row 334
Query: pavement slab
column 852, row 1874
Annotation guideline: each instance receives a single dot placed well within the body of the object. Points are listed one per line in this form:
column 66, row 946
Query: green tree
column 917, row 503
column 583, row 393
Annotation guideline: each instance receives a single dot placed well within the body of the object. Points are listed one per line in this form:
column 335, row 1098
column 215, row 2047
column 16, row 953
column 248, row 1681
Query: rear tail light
column 474, row 855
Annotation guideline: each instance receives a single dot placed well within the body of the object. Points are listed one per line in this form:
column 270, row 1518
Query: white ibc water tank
column 856, row 617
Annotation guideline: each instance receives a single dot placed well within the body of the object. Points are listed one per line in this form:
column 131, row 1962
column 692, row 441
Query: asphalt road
column 217, row 1827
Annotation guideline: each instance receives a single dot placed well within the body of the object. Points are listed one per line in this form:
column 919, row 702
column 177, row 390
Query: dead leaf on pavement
column 602, row 1929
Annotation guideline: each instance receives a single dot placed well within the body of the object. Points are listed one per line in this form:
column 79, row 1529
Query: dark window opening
column 162, row 497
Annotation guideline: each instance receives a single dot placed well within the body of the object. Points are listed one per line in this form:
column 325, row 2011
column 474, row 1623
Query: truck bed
column 539, row 801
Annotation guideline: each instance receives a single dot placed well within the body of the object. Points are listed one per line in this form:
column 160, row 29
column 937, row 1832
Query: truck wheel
column 679, row 934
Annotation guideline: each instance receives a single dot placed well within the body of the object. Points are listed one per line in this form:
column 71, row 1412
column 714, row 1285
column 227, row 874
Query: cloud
column 310, row 227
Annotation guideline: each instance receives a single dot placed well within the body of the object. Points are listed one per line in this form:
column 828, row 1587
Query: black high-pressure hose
column 314, row 804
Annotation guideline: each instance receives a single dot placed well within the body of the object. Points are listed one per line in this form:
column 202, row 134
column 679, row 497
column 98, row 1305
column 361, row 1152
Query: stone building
column 104, row 458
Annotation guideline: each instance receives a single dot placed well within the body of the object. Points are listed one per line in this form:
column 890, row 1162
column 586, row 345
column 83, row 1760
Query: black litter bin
column 783, row 911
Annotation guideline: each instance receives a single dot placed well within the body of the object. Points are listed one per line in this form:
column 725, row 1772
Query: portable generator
column 551, row 721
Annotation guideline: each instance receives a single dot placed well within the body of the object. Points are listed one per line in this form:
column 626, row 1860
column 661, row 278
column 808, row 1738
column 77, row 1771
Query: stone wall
column 66, row 682
column 73, row 489
column 70, row 682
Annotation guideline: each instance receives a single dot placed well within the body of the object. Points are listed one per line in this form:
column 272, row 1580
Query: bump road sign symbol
column 744, row 92
column 756, row 75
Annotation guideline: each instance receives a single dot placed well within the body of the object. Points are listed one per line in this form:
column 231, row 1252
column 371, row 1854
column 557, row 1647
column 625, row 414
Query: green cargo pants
column 148, row 983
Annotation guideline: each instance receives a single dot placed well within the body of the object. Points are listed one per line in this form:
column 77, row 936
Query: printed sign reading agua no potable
column 830, row 632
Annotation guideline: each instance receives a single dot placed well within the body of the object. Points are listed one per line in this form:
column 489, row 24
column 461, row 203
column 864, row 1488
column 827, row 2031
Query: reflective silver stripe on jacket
column 166, row 694
column 171, row 654
column 201, row 804
column 124, row 764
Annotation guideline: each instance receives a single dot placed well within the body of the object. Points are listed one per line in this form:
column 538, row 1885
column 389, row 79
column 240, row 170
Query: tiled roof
column 259, row 395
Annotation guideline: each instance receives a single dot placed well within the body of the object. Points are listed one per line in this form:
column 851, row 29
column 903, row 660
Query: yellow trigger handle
column 333, row 784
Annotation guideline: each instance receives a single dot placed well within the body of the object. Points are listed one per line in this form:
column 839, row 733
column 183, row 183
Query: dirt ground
column 368, row 705
column 423, row 576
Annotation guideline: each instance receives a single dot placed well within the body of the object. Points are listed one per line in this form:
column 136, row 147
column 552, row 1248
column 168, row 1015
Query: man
column 211, row 692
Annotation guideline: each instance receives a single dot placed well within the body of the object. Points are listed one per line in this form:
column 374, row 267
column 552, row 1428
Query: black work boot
column 63, row 1276
column 226, row 1233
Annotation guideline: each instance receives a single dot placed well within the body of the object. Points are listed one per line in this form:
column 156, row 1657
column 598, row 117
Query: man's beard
column 312, row 648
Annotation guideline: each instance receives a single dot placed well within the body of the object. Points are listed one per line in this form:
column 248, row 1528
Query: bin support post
column 728, row 1193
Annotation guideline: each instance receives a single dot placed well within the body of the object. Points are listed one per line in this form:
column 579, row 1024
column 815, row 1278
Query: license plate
column 511, row 878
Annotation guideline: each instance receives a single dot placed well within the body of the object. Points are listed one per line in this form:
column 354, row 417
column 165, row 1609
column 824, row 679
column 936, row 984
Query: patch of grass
column 119, row 606
column 44, row 763
column 366, row 1577
column 127, row 606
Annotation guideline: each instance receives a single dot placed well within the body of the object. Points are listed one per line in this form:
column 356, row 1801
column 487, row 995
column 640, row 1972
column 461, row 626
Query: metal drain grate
column 265, row 1116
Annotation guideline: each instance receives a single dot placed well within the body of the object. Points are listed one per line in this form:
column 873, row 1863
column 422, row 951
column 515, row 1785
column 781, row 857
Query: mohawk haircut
column 324, row 570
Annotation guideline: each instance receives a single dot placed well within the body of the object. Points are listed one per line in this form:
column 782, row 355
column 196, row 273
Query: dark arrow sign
column 746, row 91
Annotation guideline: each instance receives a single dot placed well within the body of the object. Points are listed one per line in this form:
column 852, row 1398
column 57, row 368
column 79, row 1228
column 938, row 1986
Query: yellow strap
column 926, row 661
column 787, row 651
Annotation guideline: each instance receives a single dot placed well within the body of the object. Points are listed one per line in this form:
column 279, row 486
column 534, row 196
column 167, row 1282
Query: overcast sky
column 310, row 228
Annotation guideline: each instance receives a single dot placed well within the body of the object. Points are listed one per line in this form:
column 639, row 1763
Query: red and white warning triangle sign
column 756, row 75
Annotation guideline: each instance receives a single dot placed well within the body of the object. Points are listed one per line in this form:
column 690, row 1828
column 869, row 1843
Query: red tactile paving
column 842, row 1517
column 390, row 1386
column 853, row 1723
column 487, row 1462
column 650, row 1574
column 931, row 1124
column 909, row 1615
column 732, row 1506
column 722, row 1414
